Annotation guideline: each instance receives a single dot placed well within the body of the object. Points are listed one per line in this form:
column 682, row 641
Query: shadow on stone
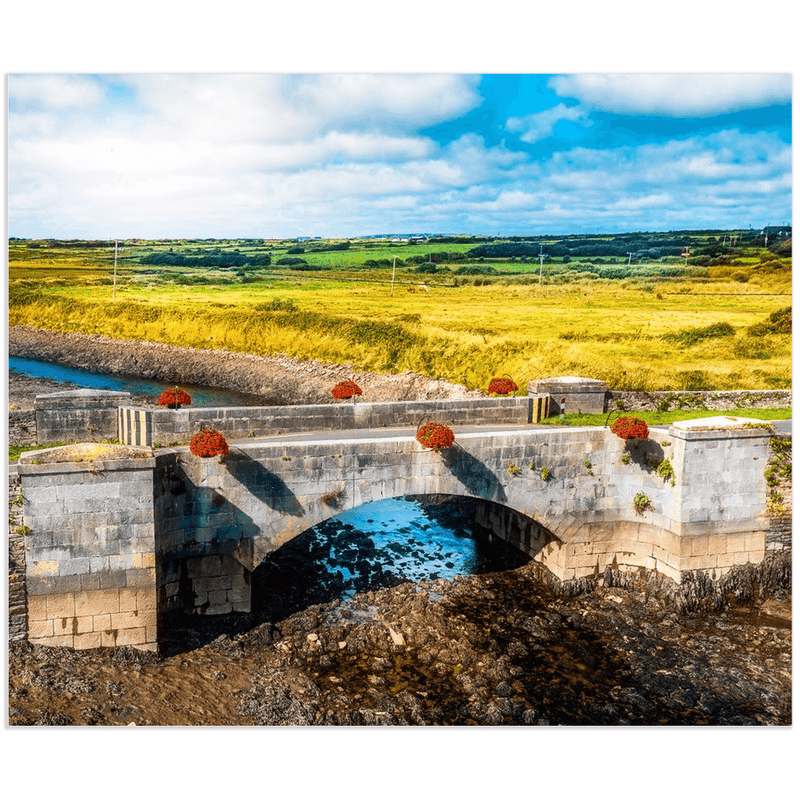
column 473, row 474
column 647, row 453
column 269, row 488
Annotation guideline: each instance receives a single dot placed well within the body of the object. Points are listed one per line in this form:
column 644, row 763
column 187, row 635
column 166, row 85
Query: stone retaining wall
column 80, row 415
column 17, row 604
column 716, row 401
column 22, row 427
column 779, row 535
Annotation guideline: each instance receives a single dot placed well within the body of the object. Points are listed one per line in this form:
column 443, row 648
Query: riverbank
column 278, row 380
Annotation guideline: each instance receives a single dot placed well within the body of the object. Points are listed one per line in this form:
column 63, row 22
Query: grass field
column 643, row 331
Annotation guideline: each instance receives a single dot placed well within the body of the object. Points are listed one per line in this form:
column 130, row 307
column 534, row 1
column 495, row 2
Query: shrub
column 208, row 443
column 174, row 398
column 777, row 322
column 435, row 436
column 345, row 390
column 630, row 428
column 690, row 336
column 289, row 262
column 640, row 502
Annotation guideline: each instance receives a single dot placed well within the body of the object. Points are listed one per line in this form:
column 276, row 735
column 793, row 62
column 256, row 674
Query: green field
column 657, row 323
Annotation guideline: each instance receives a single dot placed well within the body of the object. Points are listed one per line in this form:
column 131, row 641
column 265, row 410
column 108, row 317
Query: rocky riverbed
column 494, row 649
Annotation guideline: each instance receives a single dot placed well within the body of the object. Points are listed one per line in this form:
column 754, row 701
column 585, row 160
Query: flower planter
column 174, row 398
column 502, row 386
column 346, row 390
column 434, row 436
column 208, row 444
column 630, row 428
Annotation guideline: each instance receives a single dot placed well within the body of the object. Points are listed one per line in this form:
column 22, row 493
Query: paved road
column 783, row 426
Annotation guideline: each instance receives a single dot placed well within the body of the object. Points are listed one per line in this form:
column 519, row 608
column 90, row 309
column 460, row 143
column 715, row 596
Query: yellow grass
column 606, row 330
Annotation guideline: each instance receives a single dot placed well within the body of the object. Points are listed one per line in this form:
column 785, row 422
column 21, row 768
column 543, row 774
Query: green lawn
column 668, row 417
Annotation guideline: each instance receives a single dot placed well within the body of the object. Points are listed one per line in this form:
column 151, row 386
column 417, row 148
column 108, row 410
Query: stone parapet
column 571, row 395
column 81, row 415
column 148, row 426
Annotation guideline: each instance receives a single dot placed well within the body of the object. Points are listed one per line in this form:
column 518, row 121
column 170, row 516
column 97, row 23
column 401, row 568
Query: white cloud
column 540, row 126
column 54, row 91
column 404, row 100
column 675, row 95
column 338, row 155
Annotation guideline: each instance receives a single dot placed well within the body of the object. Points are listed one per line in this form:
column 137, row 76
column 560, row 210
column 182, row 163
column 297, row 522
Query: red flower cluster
column 174, row 397
column 208, row 443
column 435, row 436
column 502, row 386
column 630, row 428
column 345, row 390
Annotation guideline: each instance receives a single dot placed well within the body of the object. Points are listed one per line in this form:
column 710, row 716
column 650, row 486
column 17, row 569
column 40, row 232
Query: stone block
column 83, row 625
column 65, row 640
column 218, row 597
column 130, row 637
column 44, row 568
column 74, row 566
column 60, row 605
column 146, row 599
column 40, row 629
column 127, row 599
column 699, row 545
column 140, row 578
column 133, row 619
column 112, row 580
column 736, row 542
column 87, row 641
column 37, row 608
column 101, row 622
column 96, row 602
column 717, row 544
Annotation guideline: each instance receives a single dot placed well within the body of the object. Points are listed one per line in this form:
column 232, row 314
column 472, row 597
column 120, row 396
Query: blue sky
column 279, row 155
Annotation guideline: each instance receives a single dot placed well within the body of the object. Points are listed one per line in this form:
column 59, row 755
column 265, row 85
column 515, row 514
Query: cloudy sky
column 280, row 155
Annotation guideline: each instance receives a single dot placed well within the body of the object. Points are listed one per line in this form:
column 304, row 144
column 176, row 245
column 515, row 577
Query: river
column 201, row 395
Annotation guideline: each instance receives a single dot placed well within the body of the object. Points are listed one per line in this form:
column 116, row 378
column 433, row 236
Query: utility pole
column 541, row 263
column 114, row 292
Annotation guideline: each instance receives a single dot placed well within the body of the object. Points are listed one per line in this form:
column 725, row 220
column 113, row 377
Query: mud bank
column 279, row 380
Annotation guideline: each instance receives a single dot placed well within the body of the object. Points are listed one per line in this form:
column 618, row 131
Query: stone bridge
column 116, row 544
